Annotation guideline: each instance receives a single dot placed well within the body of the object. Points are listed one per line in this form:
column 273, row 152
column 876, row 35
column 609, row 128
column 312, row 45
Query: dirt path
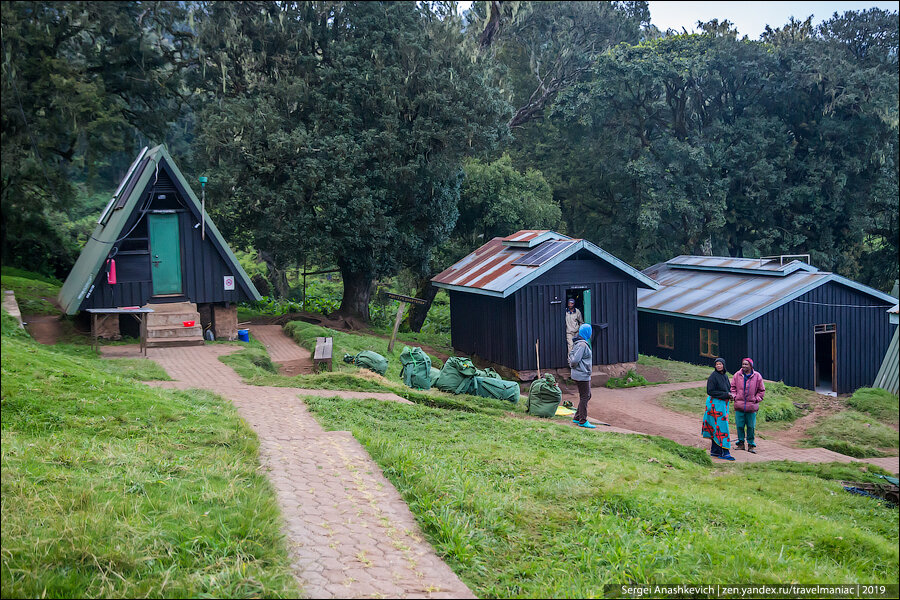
column 350, row 534
column 45, row 329
column 637, row 409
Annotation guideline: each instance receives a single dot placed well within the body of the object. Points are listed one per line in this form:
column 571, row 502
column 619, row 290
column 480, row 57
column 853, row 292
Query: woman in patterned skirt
column 715, row 419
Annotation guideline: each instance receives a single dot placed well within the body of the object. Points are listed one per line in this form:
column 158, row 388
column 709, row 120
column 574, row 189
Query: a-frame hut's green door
column 165, row 254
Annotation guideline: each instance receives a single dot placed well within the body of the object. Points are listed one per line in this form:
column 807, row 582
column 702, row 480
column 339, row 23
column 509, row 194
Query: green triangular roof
column 113, row 220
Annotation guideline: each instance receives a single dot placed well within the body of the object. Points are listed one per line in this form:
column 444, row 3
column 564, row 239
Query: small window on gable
column 665, row 335
column 709, row 342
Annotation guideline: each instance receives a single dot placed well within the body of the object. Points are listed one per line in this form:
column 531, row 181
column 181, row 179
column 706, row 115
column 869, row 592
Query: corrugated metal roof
column 491, row 270
column 727, row 295
column 739, row 265
column 105, row 235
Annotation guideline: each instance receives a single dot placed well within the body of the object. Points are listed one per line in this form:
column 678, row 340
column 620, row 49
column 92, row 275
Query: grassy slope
column 678, row 371
column 526, row 508
column 253, row 364
column 855, row 434
column 113, row 489
column 30, row 293
column 777, row 407
column 879, row 403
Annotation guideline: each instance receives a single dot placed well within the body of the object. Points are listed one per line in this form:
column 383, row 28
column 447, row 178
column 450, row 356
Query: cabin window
column 709, row 342
column 665, row 335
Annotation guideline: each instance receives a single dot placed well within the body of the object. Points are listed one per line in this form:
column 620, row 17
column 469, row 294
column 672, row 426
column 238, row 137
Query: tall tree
column 340, row 128
column 495, row 200
column 79, row 81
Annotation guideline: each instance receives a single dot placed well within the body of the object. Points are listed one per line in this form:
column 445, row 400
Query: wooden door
column 165, row 254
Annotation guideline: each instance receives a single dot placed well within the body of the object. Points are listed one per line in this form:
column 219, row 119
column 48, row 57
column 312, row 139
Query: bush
column 631, row 379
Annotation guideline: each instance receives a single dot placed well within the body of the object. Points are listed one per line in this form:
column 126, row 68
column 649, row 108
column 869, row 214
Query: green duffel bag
column 488, row 373
column 435, row 373
column 490, row 387
column 457, row 376
column 368, row 360
column 416, row 370
column 544, row 396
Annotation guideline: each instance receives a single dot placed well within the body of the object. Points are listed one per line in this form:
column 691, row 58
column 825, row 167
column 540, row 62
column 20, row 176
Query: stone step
column 172, row 318
column 172, row 307
column 173, row 342
column 172, row 331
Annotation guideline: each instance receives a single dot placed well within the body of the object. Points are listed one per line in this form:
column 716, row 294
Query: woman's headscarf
column 585, row 332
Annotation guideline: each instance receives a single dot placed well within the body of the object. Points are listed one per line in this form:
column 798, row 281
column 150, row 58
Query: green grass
column 777, row 407
column 678, row 372
column 30, row 294
column 16, row 272
column 853, row 433
column 878, row 403
column 114, row 489
column 526, row 508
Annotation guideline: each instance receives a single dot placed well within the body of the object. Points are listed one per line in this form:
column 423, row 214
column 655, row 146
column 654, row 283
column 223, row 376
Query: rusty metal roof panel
column 492, row 268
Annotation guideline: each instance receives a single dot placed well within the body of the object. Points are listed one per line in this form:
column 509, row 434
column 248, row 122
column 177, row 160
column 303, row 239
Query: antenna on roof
column 203, row 181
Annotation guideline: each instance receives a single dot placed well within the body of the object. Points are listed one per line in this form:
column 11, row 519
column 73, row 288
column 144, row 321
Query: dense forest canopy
column 383, row 137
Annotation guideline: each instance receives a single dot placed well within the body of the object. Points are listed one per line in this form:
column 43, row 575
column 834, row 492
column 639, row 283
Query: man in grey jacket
column 582, row 366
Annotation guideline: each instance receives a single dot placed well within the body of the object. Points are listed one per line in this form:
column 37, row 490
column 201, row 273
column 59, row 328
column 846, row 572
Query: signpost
column 403, row 301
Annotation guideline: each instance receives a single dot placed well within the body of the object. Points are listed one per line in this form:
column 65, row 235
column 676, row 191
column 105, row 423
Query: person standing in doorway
column 574, row 320
column 580, row 359
column 748, row 390
column 715, row 419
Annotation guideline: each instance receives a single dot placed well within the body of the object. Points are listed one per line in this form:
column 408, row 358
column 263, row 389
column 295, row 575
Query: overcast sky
column 750, row 18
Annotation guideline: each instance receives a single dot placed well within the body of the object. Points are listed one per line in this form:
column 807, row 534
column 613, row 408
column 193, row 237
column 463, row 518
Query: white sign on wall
column 229, row 282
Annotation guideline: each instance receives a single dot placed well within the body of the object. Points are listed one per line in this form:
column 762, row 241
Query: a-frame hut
column 153, row 246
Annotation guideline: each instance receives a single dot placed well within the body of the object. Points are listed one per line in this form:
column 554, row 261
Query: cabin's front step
column 165, row 325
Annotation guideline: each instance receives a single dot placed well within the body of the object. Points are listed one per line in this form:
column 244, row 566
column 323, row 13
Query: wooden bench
column 323, row 352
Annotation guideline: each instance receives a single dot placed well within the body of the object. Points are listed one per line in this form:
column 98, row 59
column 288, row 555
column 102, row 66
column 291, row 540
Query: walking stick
column 537, row 353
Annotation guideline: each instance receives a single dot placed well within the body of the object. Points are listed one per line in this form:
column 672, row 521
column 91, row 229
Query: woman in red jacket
column 748, row 391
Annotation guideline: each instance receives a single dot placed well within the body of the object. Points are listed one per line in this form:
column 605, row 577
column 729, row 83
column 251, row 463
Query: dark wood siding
column 203, row 264
column 732, row 340
column 504, row 330
column 782, row 342
column 484, row 326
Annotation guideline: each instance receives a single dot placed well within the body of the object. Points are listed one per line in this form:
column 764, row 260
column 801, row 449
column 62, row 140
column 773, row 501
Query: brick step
column 172, row 318
column 172, row 331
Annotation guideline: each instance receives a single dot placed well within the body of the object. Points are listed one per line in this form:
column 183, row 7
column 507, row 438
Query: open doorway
column 582, row 297
column 826, row 359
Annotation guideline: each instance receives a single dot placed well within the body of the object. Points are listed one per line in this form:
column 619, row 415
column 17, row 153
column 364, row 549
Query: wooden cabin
column 153, row 246
column 805, row 327
column 511, row 293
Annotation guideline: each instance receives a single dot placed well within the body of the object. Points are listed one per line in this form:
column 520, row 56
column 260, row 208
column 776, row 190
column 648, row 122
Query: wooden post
column 396, row 326
column 403, row 301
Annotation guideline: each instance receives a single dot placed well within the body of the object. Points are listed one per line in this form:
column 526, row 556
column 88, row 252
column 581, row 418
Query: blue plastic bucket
column 244, row 335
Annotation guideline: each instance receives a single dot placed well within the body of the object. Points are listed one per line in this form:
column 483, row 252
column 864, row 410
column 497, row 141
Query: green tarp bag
column 457, row 376
column 487, row 373
column 491, row 387
column 368, row 360
column 435, row 373
column 416, row 370
column 544, row 396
